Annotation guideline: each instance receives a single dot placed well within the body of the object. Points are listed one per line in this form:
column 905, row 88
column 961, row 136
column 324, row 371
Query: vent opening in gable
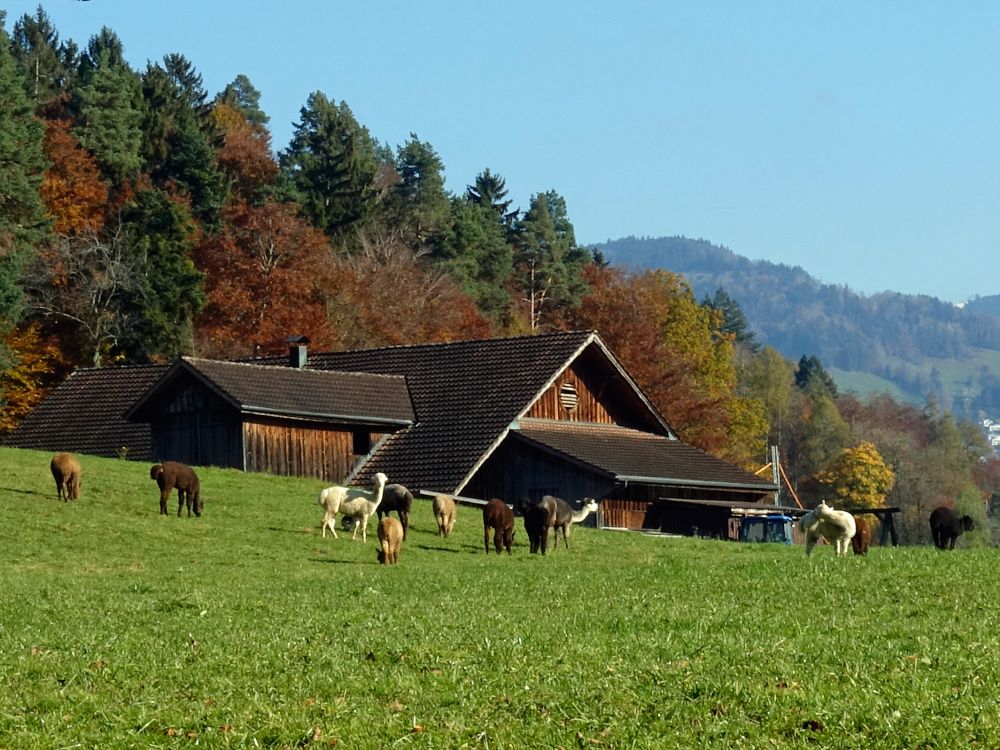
column 567, row 396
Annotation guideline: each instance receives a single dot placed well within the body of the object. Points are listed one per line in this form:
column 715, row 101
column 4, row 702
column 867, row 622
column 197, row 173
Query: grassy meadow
column 120, row 628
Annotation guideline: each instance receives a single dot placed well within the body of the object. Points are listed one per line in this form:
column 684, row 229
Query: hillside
column 917, row 344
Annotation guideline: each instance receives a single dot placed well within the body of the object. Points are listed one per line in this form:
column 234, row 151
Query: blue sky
column 858, row 140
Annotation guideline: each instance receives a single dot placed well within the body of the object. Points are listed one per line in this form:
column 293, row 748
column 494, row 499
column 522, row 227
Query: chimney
column 297, row 351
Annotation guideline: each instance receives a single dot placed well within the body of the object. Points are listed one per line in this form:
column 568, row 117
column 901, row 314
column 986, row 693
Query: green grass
column 244, row 628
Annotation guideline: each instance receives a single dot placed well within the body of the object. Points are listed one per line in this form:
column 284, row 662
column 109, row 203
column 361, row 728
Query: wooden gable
column 592, row 389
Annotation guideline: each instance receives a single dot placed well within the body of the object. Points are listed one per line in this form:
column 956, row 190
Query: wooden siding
column 517, row 471
column 294, row 449
column 589, row 405
column 196, row 427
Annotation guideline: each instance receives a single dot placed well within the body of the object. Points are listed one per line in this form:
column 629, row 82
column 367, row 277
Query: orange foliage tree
column 675, row 350
column 40, row 366
column 72, row 189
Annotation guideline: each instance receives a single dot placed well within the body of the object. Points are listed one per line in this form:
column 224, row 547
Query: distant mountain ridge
column 894, row 336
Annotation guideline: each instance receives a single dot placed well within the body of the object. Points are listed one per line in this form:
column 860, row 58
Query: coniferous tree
column 243, row 96
column 813, row 378
column 47, row 63
column 734, row 321
column 180, row 136
column 420, row 201
column 159, row 312
column 23, row 224
column 109, row 113
column 549, row 264
column 330, row 167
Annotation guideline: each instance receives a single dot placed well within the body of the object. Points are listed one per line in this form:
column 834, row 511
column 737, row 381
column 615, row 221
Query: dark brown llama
column 499, row 517
column 172, row 474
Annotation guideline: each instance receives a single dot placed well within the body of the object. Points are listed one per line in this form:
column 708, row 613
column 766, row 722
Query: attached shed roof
column 85, row 414
column 359, row 397
column 638, row 457
column 466, row 394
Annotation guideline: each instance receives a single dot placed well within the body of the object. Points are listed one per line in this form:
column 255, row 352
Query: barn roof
column 466, row 395
column 85, row 414
column 290, row 392
column 634, row 456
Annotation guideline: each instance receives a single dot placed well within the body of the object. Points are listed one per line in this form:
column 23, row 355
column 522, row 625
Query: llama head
column 967, row 523
column 823, row 508
column 590, row 505
column 381, row 479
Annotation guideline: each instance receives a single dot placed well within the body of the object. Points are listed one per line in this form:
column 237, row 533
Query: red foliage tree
column 265, row 278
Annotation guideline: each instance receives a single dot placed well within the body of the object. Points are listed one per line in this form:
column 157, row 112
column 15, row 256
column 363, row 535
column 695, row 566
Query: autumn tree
column 41, row 364
column 266, row 274
column 672, row 346
column 245, row 157
column 858, row 477
column 366, row 307
column 84, row 281
column 75, row 196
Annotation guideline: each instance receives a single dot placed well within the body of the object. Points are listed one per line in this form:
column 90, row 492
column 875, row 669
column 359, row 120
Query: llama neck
column 377, row 498
column 581, row 514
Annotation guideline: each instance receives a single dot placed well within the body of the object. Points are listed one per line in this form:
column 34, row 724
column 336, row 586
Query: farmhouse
column 513, row 418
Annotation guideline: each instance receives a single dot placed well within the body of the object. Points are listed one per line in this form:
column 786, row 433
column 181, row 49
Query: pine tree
column 330, row 167
column 47, row 63
column 109, row 115
column 421, row 202
column 22, row 164
column 243, row 96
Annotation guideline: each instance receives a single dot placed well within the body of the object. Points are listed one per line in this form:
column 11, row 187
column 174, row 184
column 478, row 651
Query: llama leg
column 810, row 543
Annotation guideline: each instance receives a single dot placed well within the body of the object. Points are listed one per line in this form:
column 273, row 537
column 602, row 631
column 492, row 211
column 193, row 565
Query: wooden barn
column 276, row 420
column 513, row 418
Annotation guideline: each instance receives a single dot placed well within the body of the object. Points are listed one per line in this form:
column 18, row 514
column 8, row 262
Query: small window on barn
column 362, row 442
column 567, row 396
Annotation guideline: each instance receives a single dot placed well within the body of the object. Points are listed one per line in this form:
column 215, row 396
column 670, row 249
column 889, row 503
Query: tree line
column 143, row 218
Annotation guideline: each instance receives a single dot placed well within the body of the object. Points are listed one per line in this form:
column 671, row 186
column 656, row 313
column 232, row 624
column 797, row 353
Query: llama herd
column 838, row 527
column 359, row 505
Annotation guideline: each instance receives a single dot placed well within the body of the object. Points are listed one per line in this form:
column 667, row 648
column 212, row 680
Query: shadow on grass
column 27, row 492
column 343, row 562
column 289, row 531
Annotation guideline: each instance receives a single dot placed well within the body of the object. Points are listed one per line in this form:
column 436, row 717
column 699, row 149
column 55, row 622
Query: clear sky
column 859, row 140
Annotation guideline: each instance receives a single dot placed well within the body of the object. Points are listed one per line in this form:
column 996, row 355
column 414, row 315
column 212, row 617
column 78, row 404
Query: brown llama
column 390, row 538
column 498, row 516
column 66, row 471
column 172, row 474
column 444, row 513
column 862, row 539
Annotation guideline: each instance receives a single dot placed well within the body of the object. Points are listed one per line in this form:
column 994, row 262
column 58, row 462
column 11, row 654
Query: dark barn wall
column 194, row 426
column 301, row 449
column 516, row 471
column 636, row 507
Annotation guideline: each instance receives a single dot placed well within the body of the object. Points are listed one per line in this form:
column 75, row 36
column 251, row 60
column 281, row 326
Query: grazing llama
column 498, row 516
column 354, row 502
column 836, row 526
column 946, row 526
column 444, row 512
column 390, row 538
column 564, row 516
column 537, row 520
column 863, row 538
column 172, row 474
column 395, row 497
column 66, row 471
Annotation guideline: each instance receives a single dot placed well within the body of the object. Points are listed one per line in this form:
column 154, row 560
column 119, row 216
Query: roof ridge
column 286, row 368
column 432, row 344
